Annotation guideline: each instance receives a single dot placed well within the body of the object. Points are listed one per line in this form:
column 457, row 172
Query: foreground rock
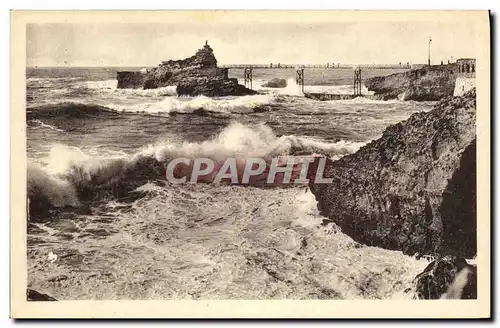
column 424, row 84
column 414, row 189
column 33, row 295
column 193, row 76
column 275, row 83
column 448, row 277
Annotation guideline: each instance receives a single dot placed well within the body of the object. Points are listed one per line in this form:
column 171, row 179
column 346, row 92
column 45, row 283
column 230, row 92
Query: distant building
column 466, row 75
column 466, row 65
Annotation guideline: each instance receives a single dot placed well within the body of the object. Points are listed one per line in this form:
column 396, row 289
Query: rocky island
column 193, row 76
column 413, row 190
column 423, row 84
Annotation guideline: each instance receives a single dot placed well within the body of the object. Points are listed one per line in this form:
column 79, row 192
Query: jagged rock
column 275, row 83
column 33, row 295
column 193, row 76
column 212, row 87
column 413, row 189
column 438, row 280
column 424, row 84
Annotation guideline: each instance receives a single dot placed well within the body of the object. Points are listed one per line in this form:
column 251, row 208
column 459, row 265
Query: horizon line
column 222, row 65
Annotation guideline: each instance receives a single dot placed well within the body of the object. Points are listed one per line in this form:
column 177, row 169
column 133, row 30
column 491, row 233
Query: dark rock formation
column 275, row 83
column 414, row 188
column 68, row 110
column 193, row 76
column 212, row 87
column 440, row 279
column 131, row 80
column 33, row 295
column 424, row 84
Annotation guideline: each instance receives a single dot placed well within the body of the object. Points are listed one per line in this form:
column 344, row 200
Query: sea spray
column 92, row 178
column 241, row 105
column 291, row 89
column 49, row 189
column 110, row 86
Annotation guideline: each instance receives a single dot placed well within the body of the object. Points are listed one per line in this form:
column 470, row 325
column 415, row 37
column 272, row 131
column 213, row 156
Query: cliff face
column 193, row 76
column 414, row 188
column 425, row 84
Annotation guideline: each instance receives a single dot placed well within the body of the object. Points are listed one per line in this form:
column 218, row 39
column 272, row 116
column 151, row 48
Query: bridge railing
column 293, row 66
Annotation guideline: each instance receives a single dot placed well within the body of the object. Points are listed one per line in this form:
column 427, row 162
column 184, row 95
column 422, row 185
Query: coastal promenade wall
column 464, row 84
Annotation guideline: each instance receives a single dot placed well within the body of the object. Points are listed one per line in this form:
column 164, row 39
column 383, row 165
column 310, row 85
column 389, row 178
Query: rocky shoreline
column 193, row 76
column 413, row 189
column 424, row 84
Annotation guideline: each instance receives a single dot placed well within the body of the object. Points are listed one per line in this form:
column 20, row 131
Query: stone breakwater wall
column 463, row 84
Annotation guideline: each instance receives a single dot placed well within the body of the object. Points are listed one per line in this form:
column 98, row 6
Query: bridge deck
column 315, row 66
column 331, row 96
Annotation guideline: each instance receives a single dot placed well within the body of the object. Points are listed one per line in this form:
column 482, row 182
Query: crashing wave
column 111, row 86
column 169, row 105
column 69, row 176
column 241, row 105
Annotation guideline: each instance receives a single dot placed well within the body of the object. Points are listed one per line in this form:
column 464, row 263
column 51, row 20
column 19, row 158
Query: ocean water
column 120, row 231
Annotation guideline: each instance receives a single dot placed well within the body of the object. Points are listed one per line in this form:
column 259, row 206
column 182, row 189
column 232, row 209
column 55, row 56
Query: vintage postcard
column 250, row 164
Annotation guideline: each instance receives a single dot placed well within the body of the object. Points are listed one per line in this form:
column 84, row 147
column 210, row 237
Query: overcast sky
column 142, row 44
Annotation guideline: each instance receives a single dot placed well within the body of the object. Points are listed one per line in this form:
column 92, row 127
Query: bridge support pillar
column 248, row 77
column 300, row 78
column 357, row 81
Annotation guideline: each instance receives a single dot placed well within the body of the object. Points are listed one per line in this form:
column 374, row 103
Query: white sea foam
column 244, row 104
column 252, row 141
column 105, row 84
column 170, row 90
column 335, row 89
column 364, row 100
column 229, row 242
column 291, row 89
column 94, row 168
column 47, row 126
column 111, row 86
column 41, row 184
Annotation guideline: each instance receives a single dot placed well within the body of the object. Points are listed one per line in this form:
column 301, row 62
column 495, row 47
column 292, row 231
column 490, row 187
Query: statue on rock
column 193, row 76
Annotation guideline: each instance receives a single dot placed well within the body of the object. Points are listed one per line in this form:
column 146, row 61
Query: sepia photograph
column 231, row 155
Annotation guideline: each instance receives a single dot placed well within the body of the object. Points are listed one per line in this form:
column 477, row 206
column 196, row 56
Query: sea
column 150, row 239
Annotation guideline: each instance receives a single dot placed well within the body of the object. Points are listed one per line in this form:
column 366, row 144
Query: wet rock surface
column 33, row 295
column 424, row 84
column 444, row 278
column 414, row 188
